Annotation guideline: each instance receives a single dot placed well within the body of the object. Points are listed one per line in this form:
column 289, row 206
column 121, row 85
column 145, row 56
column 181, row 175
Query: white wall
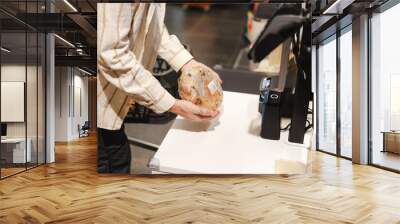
column 61, row 103
column 12, row 73
column 79, row 117
column 70, row 81
column 33, row 127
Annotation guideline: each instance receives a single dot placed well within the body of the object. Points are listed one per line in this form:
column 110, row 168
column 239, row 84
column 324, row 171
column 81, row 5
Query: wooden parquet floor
column 10, row 171
column 70, row 191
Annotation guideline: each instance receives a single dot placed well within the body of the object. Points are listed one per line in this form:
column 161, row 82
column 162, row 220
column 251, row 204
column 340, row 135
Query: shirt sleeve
column 118, row 64
column 173, row 51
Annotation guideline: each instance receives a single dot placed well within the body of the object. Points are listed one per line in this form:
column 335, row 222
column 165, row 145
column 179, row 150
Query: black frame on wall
column 41, row 43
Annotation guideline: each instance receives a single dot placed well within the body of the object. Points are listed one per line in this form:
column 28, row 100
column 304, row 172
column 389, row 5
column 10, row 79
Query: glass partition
column 32, row 97
column 385, row 89
column 326, row 98
column 22, row 89
column 346, row 92
column 41, row 96
column 14, row 143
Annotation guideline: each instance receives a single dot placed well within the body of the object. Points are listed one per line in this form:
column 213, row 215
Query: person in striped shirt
column 129, row 38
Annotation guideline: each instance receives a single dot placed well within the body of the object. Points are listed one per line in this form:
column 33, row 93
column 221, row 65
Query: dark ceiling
column 75, row 22
column 72, row 20
column 326, row 24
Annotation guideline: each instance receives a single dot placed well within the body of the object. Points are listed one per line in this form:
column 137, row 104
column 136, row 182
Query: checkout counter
column 230, row 144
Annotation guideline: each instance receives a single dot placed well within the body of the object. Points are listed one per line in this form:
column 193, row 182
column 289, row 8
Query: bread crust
column 205, row 90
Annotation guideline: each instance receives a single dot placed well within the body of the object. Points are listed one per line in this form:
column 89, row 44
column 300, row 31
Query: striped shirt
column 129, row 38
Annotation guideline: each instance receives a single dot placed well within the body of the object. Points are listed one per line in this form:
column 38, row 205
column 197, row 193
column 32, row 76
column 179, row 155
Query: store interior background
column 26, row 61
column 215, row 37
column 22, row 96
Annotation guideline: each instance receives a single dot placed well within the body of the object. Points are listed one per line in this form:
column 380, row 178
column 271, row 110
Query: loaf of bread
column 199, row 86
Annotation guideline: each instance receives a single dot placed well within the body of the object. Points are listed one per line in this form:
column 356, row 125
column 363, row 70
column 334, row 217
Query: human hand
column 192, row 112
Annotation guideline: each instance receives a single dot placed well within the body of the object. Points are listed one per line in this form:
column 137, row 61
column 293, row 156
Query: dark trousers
column 113, row 151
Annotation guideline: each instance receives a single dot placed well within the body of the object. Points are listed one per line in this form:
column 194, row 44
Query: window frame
column 334, row 37
column 381, row 9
